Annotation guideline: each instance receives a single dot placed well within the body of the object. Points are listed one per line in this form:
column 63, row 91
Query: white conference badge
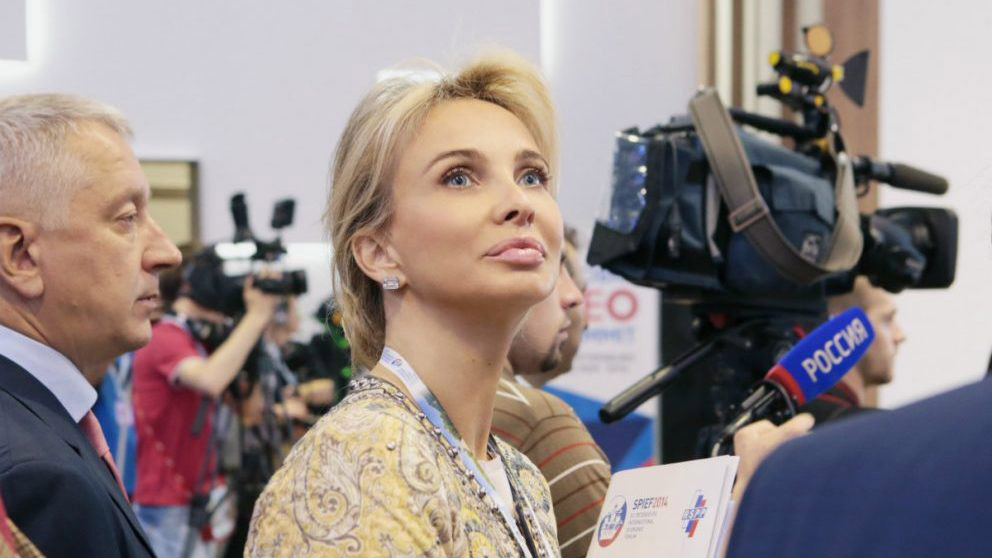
column 678, row 509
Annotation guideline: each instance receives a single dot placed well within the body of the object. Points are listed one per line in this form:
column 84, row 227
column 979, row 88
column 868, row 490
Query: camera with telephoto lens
column 746, row 237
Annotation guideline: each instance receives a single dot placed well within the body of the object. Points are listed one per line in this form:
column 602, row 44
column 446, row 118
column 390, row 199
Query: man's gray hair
column 38, row 170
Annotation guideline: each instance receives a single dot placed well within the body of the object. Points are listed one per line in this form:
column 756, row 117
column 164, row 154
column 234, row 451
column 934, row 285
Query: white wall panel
column 935, row 114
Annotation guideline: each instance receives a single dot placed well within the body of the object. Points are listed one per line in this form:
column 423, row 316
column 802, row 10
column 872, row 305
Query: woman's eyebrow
column 472, row 154
column 531, row 155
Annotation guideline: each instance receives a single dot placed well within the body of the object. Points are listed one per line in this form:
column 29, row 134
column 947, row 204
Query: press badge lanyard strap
column 431, row 407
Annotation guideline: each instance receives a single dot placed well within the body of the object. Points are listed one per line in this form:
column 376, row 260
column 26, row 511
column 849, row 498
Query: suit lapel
column 39, row 401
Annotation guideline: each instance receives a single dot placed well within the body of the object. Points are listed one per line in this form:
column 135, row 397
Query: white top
column 497, row 474
column 52, row 369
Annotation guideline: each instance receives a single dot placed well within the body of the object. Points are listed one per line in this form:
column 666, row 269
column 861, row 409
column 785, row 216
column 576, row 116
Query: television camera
column 746, row 238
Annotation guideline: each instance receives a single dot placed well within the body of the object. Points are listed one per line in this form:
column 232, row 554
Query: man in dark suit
column 79, row 258
column 916, row 481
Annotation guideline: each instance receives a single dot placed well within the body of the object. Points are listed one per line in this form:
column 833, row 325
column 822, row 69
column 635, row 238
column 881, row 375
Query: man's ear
column 19, row 257
column 376, row 257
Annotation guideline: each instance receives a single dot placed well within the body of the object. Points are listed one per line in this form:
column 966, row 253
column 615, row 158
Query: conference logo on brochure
column 612, row 523
column 694, row 514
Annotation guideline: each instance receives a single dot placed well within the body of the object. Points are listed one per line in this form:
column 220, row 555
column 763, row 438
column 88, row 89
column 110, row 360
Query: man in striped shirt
column 543, row 426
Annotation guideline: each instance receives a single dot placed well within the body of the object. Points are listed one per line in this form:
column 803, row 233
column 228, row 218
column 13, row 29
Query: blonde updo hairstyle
column 361, row 193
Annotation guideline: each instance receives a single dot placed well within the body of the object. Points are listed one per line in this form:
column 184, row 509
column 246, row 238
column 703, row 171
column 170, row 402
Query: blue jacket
column 916, row 481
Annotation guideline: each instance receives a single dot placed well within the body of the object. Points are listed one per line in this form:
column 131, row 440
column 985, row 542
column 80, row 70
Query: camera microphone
column 900, row 176
column 810, row 368
column 239, row 211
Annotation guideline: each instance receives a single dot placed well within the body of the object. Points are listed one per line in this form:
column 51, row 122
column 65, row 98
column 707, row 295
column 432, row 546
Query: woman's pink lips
column 519, row 256
column 524, row 251
column 519, row 242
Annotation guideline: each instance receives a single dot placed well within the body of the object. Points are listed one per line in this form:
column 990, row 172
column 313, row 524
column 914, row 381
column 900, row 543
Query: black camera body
column 211, row 286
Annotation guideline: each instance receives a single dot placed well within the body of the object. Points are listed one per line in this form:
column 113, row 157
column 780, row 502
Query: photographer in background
column 326, row 359
column 310, row 392
column 876, row 367
column 178, row 378
column 273, row 413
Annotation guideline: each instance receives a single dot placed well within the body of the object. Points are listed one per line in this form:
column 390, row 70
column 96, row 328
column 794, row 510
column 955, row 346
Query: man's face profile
column 537, row 347
column 100, row 269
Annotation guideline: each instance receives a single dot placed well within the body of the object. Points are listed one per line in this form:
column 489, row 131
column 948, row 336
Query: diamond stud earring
column 391, row 283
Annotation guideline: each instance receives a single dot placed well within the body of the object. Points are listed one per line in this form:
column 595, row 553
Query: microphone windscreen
column 822, row 358
column 912, row 178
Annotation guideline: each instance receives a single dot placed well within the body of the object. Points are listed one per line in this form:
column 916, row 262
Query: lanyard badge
column 431, row 407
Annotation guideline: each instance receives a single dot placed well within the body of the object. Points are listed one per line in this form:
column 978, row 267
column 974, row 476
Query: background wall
column 934, row 113
column 13, row 39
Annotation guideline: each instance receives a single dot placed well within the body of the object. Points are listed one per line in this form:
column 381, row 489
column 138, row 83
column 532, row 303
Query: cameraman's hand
column 755, row 441
column 259, row 303
column 294, row 408
column 319, row 392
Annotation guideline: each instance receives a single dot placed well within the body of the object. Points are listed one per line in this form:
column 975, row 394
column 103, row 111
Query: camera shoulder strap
column 748, row 212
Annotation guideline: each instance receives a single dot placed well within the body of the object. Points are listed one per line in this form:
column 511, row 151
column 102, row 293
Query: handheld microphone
column 810, row 368
column 822, row 358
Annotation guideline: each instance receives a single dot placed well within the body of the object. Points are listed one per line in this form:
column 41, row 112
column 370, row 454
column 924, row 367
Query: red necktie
column 91, row 428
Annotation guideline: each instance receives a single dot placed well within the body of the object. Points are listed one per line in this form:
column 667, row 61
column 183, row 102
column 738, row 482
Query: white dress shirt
column 52, row 369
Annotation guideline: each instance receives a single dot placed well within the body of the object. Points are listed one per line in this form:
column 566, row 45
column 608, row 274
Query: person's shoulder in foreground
column 913, row 482
column 370, row 480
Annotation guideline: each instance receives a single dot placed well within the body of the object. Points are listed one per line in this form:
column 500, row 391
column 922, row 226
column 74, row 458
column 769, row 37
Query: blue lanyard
column 431, row 407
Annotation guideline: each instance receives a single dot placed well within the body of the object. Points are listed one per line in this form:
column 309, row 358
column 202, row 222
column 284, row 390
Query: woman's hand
column 755, row 441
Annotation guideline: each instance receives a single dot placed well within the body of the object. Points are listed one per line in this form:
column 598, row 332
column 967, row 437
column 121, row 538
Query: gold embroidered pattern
column 370, row 480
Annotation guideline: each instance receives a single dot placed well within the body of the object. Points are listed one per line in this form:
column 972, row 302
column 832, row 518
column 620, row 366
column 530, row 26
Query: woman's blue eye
column 534, row 178
column 458, row 180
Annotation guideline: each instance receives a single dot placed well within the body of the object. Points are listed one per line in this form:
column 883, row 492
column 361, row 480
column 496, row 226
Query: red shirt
column 170, row 458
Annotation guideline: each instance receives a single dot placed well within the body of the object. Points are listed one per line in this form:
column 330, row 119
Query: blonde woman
column 445, row 232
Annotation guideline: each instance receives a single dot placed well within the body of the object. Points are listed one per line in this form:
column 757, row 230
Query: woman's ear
column 19, row 258
column 375, row 256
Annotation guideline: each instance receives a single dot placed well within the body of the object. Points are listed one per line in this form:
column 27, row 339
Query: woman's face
column 474, row 221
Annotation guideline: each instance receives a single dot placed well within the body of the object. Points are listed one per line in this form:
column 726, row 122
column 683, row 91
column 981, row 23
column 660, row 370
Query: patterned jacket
column 371, row 480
